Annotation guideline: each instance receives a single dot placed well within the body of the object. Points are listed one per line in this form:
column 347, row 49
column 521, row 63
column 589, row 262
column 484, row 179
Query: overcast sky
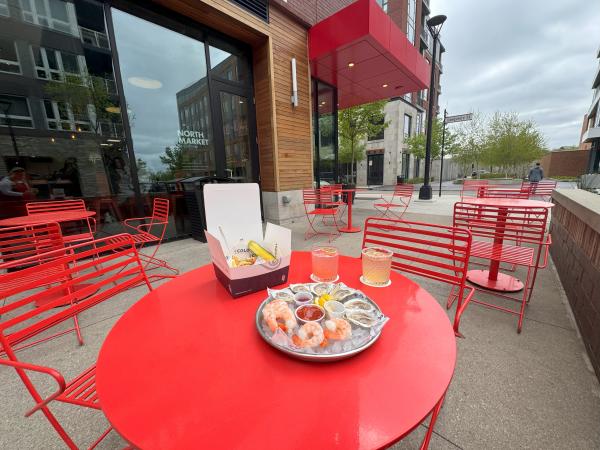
column 533, row 57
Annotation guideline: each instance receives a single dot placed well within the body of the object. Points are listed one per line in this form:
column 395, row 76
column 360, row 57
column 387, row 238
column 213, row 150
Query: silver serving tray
column 314, row 357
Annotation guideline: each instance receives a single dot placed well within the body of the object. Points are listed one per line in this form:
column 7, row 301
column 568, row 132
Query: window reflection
column 227, row 65
column 234, row 110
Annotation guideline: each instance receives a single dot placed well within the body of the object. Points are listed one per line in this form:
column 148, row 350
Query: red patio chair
column 31, row 246
column 337, row 197
column 399, row 200
column 504, row 230
column 66, row 205
column 542, row 190
column 151, row 230
column 499, row 192
column 19, row 322
column 471, row 187
column 436, row 252
column 320, row 203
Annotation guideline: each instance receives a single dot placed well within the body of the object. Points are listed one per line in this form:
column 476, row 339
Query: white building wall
column 392, row 144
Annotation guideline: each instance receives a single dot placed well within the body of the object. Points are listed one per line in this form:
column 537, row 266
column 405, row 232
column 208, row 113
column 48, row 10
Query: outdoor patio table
column 58, row 216
column 349, row 200
column 185, row 366
column 492, row 279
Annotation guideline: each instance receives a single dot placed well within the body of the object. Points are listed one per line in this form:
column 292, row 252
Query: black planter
column 345, row 194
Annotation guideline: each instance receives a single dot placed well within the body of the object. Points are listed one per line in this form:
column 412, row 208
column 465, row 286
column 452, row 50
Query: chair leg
column 434, row 415
column 77, row 330
column 524, row 301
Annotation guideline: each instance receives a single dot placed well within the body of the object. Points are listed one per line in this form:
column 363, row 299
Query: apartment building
column 590, row 132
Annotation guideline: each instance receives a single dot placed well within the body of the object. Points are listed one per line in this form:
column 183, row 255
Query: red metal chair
column 121, row 269
column 320, row 203
column 436, row 252
column 471, row 187
column 151, row 230
column 31, row 246
column 499, row 192
column 399, row 200
column 504, row 231
column 65, row 205
column 337, row 197
column 541, row 190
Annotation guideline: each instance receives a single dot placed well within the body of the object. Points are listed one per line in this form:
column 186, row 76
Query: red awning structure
column 365, row 55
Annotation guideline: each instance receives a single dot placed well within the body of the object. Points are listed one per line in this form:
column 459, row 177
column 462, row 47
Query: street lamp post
column 435, row 25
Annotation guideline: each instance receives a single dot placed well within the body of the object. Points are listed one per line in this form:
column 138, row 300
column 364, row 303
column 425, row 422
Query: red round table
column 185, row 367
column 492, row 279
column 58, row 216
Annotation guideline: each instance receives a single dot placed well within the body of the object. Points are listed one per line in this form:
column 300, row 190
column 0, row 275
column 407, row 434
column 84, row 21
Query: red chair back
column 83, row 275
column 542, row 188
column 472, row 187
column 22, row 242
column 62, row 205
column 518, row 224
column 498, row 192
column 321, row 196
column 160, row 210
column 433, row 251
column 404, row 192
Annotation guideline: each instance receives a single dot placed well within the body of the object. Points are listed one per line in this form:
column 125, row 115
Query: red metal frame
column 436, row 252
column 320, row 203
column 541, row 190
column 472, row 187
column 498, row 192
column 121, row 269
column 151, row 230
column 34, row 208
column 400, row 200
column 498, row 225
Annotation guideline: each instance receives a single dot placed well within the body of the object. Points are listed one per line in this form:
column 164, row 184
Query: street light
column 435, row 26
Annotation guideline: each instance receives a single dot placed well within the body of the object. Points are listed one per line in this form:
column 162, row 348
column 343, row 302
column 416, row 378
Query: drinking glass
column 376, row 266
column 325, row 259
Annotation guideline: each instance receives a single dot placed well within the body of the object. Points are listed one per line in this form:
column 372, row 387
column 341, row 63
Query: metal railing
column 95, row 38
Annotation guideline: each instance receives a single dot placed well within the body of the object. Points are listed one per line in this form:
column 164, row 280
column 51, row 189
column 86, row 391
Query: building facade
column 590, row 132
column 119, row 101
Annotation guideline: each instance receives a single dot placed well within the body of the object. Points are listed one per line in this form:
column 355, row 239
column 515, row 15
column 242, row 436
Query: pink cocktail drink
column 376, row 265
column 325, row 260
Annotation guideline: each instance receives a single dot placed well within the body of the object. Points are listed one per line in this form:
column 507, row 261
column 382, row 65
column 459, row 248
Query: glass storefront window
column 227, row 65
column 165, row 83
column 325, row 129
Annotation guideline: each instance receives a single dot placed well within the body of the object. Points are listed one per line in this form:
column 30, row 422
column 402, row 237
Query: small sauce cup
column 309, row 313
column 335, row 309
column 303, row 298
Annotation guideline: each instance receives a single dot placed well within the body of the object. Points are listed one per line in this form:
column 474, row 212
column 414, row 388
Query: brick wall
column 569, row 163
column 575, row 228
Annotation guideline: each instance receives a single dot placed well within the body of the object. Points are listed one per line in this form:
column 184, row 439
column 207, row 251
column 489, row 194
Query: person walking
column 536, row 173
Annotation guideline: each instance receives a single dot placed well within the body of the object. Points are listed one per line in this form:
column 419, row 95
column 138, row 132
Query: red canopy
column 365, row 55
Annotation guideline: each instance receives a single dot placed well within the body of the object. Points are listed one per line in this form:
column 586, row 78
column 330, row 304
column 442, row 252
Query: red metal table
column 492, row 279
column 185, row 366
column 59, row 216
column 349, row 200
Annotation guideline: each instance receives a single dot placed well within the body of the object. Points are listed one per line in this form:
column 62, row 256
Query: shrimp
column 309, row 335
column 278, row 315
column 337, row 329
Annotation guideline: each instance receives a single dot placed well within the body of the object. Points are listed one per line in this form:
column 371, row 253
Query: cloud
column 536, row 58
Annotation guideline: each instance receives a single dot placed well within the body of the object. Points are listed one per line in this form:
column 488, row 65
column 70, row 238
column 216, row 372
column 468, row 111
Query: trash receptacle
column 194, row 200
column 400, row 179
column 345, row 194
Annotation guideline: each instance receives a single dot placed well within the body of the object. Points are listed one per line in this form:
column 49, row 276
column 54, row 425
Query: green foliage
column 80, row 91
column 354, row 125
column 174, row 158
column 503, row 142
column 417, row 142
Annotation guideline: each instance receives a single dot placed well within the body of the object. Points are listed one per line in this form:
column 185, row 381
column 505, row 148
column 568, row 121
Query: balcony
column 591, row 134
column 94, row 38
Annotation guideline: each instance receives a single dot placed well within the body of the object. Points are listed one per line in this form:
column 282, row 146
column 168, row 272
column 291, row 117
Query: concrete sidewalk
column 533, row 390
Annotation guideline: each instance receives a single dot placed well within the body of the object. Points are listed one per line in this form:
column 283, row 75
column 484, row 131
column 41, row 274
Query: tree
column 174, row 159
column 355, row 124
column 417, row 142
column 512, row 144
column 470, row 143
column 80, row 92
